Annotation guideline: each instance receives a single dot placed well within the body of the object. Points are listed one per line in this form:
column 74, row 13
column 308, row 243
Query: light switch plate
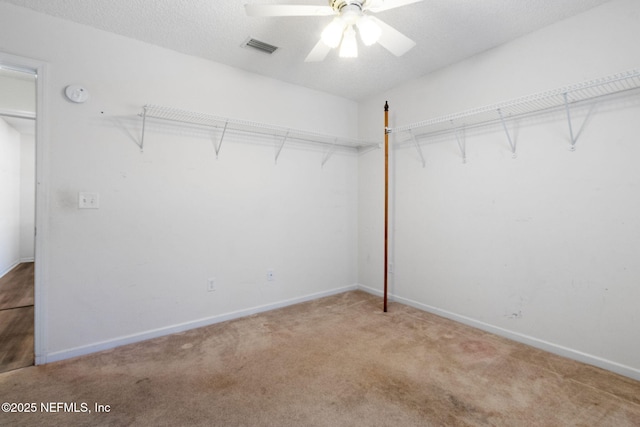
column 88, row 201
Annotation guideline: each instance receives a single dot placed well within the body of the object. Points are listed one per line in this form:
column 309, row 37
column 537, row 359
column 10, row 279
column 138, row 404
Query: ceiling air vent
column 261, row 46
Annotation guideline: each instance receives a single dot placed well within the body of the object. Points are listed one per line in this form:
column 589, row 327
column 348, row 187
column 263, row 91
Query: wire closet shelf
column 529, row 104
column 225, row 124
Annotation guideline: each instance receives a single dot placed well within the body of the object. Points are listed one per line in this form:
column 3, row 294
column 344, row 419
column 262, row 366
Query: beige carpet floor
column 337, row 361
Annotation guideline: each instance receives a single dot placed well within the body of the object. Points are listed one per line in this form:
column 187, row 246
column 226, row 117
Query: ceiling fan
column 340, row 31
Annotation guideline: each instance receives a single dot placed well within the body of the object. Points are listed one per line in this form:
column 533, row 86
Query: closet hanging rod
column 207, row 120
column 529, row 104
column 27, row 115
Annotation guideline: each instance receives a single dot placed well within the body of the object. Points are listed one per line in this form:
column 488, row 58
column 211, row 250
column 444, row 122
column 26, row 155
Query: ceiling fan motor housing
column 338, row 5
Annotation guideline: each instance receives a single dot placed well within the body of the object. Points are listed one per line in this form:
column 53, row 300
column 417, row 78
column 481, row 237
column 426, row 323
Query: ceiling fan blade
column 287, row 10
column 377, row 6
column 318, row 53
column 393, row 40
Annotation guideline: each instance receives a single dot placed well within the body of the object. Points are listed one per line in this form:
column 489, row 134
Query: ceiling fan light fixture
column 350, row 16
column 332, row 34
column 369, row 31
column 349, row 46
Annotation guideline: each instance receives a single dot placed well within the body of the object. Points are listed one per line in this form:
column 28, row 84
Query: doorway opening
column 18, row 212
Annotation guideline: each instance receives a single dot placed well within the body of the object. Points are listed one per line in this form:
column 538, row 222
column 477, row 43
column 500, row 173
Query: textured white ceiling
column 446, row 31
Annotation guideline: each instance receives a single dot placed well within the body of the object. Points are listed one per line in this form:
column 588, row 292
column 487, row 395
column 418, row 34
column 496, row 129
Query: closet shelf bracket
column 329, row 152
column 144, row 125
column 415, row 142
column 286, row 136
column 462, row 145
column 512, row 144
column 217, row 146
column 572, row 147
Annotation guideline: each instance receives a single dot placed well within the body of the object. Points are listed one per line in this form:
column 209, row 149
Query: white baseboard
column 28, row 259
column 8, row 269
column 173, row 329
column 372, row 291
column 516, row 336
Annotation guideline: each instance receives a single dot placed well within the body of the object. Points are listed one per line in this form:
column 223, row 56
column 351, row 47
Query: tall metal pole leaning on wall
column 386, row 197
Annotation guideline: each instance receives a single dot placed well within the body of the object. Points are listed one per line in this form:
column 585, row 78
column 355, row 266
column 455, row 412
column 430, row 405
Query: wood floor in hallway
column 17, row 317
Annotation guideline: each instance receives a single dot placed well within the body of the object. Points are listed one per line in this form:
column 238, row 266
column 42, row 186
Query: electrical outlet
column 270, row 275
column 88, row 201
column 211, row 284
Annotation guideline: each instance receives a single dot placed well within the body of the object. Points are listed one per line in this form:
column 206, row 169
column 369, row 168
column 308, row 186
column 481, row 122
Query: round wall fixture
column 76, row 93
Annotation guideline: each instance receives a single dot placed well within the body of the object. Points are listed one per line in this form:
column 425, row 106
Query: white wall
column 174, row 216
column 542, row 248
column 9, row 197
column 18, row 92
column 27, row 196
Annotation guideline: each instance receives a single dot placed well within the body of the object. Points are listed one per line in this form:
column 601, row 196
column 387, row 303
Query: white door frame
column 40, row 68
